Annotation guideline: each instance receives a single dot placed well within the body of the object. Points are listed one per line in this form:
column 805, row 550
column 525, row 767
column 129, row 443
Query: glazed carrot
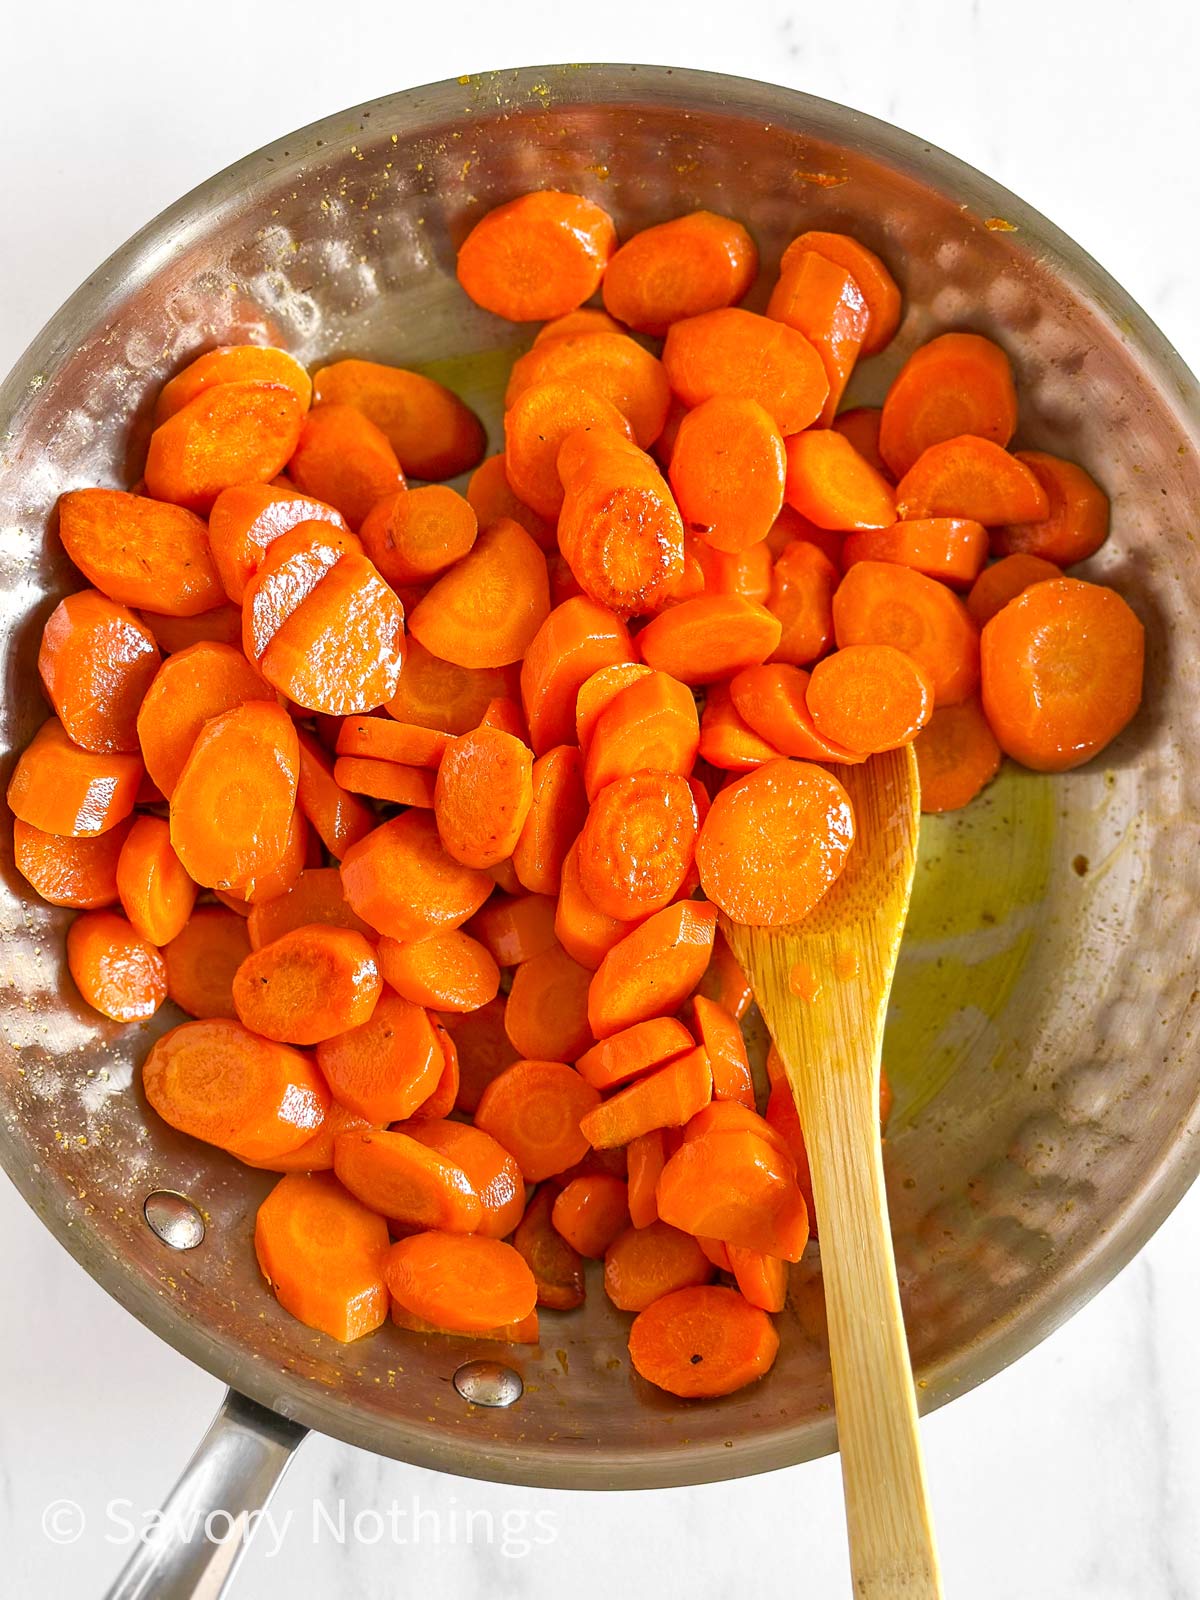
column 140, row 552
column 634, row 1051
column 556, row 1266
column 727, row 742
column 524, row 1331
column 487, row 609
column 342, row 458
column 701, row 1342
column 156, row 893
column 861, row 426
column 387, row 1067
column 774, row 843
column 218, row 1082
column 117, row 971
column 433, row 434
column 379, row 739
column 546, row 1014
column 339, row 818
column 308, row 985
column 663, row 447
column 232, row 805
column 316, row 896
column 821, row 300
column 637, row 844
column 948, row 548
column 597, row 692
column 665, row 1098
column 761, row 1279
column 385, row 780
column 649, row 726
column 202, row 959
column 1062, row 673
column 444, row 1098
column 653, row 969
column 513, row 929
column 96, row 662
column 727, row 472
column 647, row 1155
column 736, row 1187
column 802, row 588
column 406, row 1181
column 587, row 319
column 447, row 970
column 718, row 1034
column 833, row 486
column 577, row 639
column 322, row 1252
column 239, row 432
column 958, row 383
column 400, row 879
column 878, row 602
column 289, row 572
column 619, row 529
column 316, row 1154
column 746, row 573
column 494, row 1175
column 590, row 1211
column 233, row 363
column 188, row 691
column 505, row 715
column 709, row 638
column 724, row 982
column 221, row 625
column 645, row 1263
column 535, row 426
column 277, row 880
column 483, row 794
column 247, row 518
column 584, row 932
column 740, row 353
column 538, row 256
column 490, row 496
column 557, row 811
column 731, row 1116
column 533, row 1109
column 611, row 366
column 1003, row 581
column 484, row 1051
column 869, row 697
column 957, row 756
column 790, row 526
column 774, row 698
column 870, row 274
column 463, row 1283
column 784, row 1119
column 692, row 264
column 433, row 693
column 973, row 478
column 69, row 872
column 62, row 789
column 415, row 534
column 1078, row 521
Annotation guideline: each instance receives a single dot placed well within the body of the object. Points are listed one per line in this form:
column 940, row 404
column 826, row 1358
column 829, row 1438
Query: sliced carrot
column 96, row 662
column 725, row 984
column 322, row 1252
column 1003, row 581
column 958, row 383
column 490, row 496
column 718, row 1033
column 726, row 741
column 505, row 714
column 316, row 1154
column 483, row 795
column 446, row 970
column 202, row 959
column 1062, row 673
column 433, row 434
column 415, row 534
column 533, row 1109
column 524, row 1331
column 634, row 1051
column 69, row 872
column 445, row 1093
column 957, row 756
column 833, row 486
column 716, row 1252
column 344, row 459
column 861, row 426
column 387, row 1066
column 308, row 985
column 692, row 264
column 247, row 518
column 740, row 353
column 218, row 1082
column 668, row 1097
column 116, row 969
column 577, row 639
column 973, row 478
column 404, row 1180
column 385, row 780
column 538, row 256
column 584, row 932
column 484, row 1051
column 653, row 969
column 1078, row 521
column 649, row 726
column 189, row 690
column 380, row 739
column 869, row 273
column 709, row 638
column 547, row 1011
column 597, row 692
column 62, row 789
column 433, row 693
column 535, row 426
column 340, row 818
column 494, row 1175
column 737, row 1187
column 821, row 300
column 802, row 588
column 644, row 1263
column 279, row 879
column 290, row 570
column 557, row 1266
column 774, row 843
column 878, row 602
column 401, row 880
column 784, row 1119
column 316, row 896
column 556, row 814
column 513, row 929
column 701, row 1342
column 638, row 843
column 156, row 893
column 463, row 1283
column 731, row 1116
column 221, row 625
column 948, row 548
column 869, row 697
column 239, row 432
column 140, row 552
column 746, row 573
column 774, row 698
column 790, row 525
column 611, row 366
column 762, row 1279
column 590, row 1211
column 587, row 319
column 647, row 1155
column 233, row 363
column 727, row 472
column 486, row 610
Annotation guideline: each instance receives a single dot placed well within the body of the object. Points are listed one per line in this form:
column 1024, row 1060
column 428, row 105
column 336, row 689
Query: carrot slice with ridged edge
column 667, row 1097
column 402, row 881
column 653, row 969
column 62, row 789
column 495, row 1176
column 740, row 353
column 821, row 300
column 644, row 1263
column 957, row 383
column 404, row 1180
column 140, row 552
column 681, row 268
column 322, row 1252
column 387, row 1067
column 486, row 610
column 869, row 272
column 433, row 433
column 701, row 1342
column 650, row 726
column 533, row 1109
column 96, row 662
column 116, row 969
column 869, row 697
column 446, row 970
column 638, row 843
column 538, row 256
column 957, row 756
column 239, row 432
column 233, row 363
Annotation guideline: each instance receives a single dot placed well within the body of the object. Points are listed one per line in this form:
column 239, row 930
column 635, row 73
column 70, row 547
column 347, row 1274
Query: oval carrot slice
column 740, row 353
column 433, row 433
column 821, row 300
column 557, row 811
column 701, row 1342
column 667, row 1097
column 878, row 602
column 62, row 789
column 308, row 985
column 557, row 1267
column 972, row 478
column 803, row 583
column 202, row 959
column 546, row 1015
column 116, row 969
column 415, row 534
column 1078, row 521
column 342, row 458
column 649, row 726
column 221, row 625
column 402, row 1179
column 869, row 272
column 590, row 1211
column 726, row 742
column 140, row 552
column 774, row 697
column 402, row 881
column 634, row 1051
column 96, row 662
column 446, row 970
column 239, row 432
column 316, row 896
column 535, row 426
column 577, row 639
column 464, row 1283
column 736, row 1187
column 491, row 497
column 653, row 969
column 957, row 383
column 948, row 548
column 494, row 1175
column 1003, row 581
column 730, row 1116
column 869, row 697
column 233, row 363
column 533, row 1109
column 483, row 794
column 438, row 694
column 156, row 893
column 637, row 845
column 189, row 690
column 322, row 1252
column 597, row 692
column 247, row 518
column 727, row 472
column 537, row 257
column 709, row 638
column 646, row 1156
column 833, row 486
column 692, row 264
column 316, row 1154
column 718, row 1033
column 339, row 818
column 81, row 873
column 645, row 1263
column 584, row 932
column 379, row 739
column 289, row 571
column 385, row 780
column 387, row 1066
column 486, row 610
column 513, row 928
column 957, row 756
column 611, row 366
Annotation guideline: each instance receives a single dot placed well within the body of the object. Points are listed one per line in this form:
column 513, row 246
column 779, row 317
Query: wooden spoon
column 828, row 1030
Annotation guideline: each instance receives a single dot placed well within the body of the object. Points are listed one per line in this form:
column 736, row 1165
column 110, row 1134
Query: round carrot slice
column 971, row 478
column 637, row 844
column 466, row 1284
column 709, row 638
column 117, row 971
column 239, row 432
column 495, row 1176
column 486, row 610
column 833, row 486
column 701, row 1342
column 446, row 970
column 535, row 426
column 957, row 756
column 342, row 458
column 633, row 1051
column 727, row 472
column 870, row 697
column 140, row 552
column 402, row 1179
column 291, row 568
column 1078, row 522
column 1003, row 581
column 415, row 534
column 202, row 960
column 879, row 602
column 735, row 352
column 308, row 985
column 189, row 690
column 682, row 268
column 69, row 872
column 643, row 1264
column 387, row 1067
column 62, row 789
column 156, row 893
column 96, row 662
column 433, row 434
column 803, row 583
column 869, row 273
column 321, row 1250
column 538, row 256
column 247, row 518
column 546, row 1015
column 611, row 366
column 533, row 1109
column 402, row 881
column 957, row 383
column 483, row 794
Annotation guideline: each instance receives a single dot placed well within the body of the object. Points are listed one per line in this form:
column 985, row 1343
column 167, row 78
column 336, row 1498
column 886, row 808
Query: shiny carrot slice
column 957, row 756
column 736, row 1187
column 709, row 638
column 538, row 256
column 535, row 426
column 140, row 552
column 638, row 843
column 1003, row 581
column 484, row 1050
column 879, row 602
column 202, row 959
column 483, row 794
column 762, row 1279
column 557, row 1266
column 653, row 969
column 718, row 1033
column 701, row 1342
column 69, row 872
column 96, row 662
column 957, row 383
column 948, row 548
column 308, row 985
column 644, row 1263
column 394, row 1175
column 727, row 472
column 221, row 625
column 833, row 486
column 415, row 534
column 557, row 812
column 735, row 352
column 438, row 694
column 494, row 1175
column 860, row 424
column 577, row 639
column 514, row 928
column 612, row 366
column 386, row 1067
column 233, row 363
column 869, row 697
column 775, row 697
column 156, row 893
column 546, row 1015
column 821, row 300
column 869, row 273
column 597, row 692
column 385, row 780
column 189, row 690
column 289, row 571
column 240, row 432
column 487, row 609
column 727, row 742
column 446, row 970
column 649, row 726
column 491, row 497
column 724, row 982
column 401, row 880
column 464, row 1284
column 247, row 518
column 667, row 1097
column 340, row 818
column 1078, row 521
column 322, row 1252
column 634, row 1051
column 803, row 584
column 116, row 969
column 533, row 1109
column 584, row 932
column 62, row 789
column 646, row 1156
column 379, row 739
column 433, row 433
column 972, row 478
column 316, row 896
column 590, row 1211
column 682, row 268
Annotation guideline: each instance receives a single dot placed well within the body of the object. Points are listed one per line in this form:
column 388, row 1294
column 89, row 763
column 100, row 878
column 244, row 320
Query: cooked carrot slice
column 802, row 588
column 535, row 426
column 647, row 1155
column 590, row 1211
column 597, row 692
column 140, row 552
column 833, row 486
column 491, row 497
column 188, row 691
column 316, row 1154
column 879, row 602
column 762, row 1279
column 973, row 478
column 774, row 843
column 525, row 1331
column 727, row 471
column 62, row 789
column 726, row 741
column 576, row 640
column 387, row 1066
column 724, row 982
column 774, row 698
column 316, row 896
column 81, row 873
column 538, row 256
column 533, row 1109
column 486, row 610
column 512, row 928
column 233, row 363
column 385, row 780
column 718, row 1033
column 219, row 1082
column 870, row 697
column 415, row 534
column 611, row 366
column 957, row 756
column 247, row 518
column 637, row 844
column 344, row 459
column 504, row 713
column 948, row 548
column 653, row 969
column 746, row 573
column 1062, row 673
column 278, row 879
column 433, row 693
column 433, row 434
column 232, row 806
column 96, row 662
column 740, row 353
column 701, row 1342
column 322, row 1252
column 709, row 638
column 401, row 880
column 445, row 1094
column 650, row 726
column 156, row 893
column 462, row 1283
column 116, row 969
column 1078, row 521
column 404, row 1180
column 1003, row 581
column 240, row 432
column 495, row 1176
column 861, row 426
column 308, row 985
column 958, row 383
column 668, row 1097
column 731, row 1116
column 546, row 1014
column 483, row 794
column 692, row 264
column 557, row 811
column 484, row 1051
column 634, row 1051
column 557, row 1266
column 379, row 739
column 290, row 570
column 869, row 273
column 584, row 932
column 340, row 819
column 821, row 300
column 737, row 1187
column 447, row 970
column 645, row 1263
column 587, row 319
column 784, row 1119
column 202, row 959
column 221, row 625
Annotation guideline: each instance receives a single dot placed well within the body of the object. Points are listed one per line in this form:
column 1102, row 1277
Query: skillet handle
column 234, row 1472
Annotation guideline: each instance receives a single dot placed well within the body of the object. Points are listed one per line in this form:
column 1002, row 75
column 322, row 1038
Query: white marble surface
column 1075, row 1474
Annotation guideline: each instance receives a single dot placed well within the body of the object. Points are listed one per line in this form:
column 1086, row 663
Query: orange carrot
column 634, row 1051
column 316, row 1154
column 139, row 552
column 724, row 982
column 385, row 780
column 514, row 928
column 96, row 662
column 737, row 1187
column 645, row 1263
column 957, row 383
column 719, row 1035
column 486, row 610
column 404, row 1180
column 557, row 811
column 590, row 1211
column 538, row 256
column 709, row 638
column 415, row 534
column 801, row 598
column 340, row 818
column 533, row 1109
column 653, row 969
column 739, row 353
column 490, row 496
column 117, row 971
column 483, row 795
column 833, row 486
column 69, row 872
column 483, row 1050
column 584, row 932
column 387, row 1067
column 316, row 896
column 878, row 602
column 650, row 726
column 493, row 1173
column 861, row 426
column 597, row 693
column 535, row 426
column 611, row 366
column 246, row 520
column 433, row 434
column 972, row 478
column 290, row 570
column 202, row 959
column 701, row 1342
column 1078, row 521
column 821, row 300
column 948, row 548
column 446, row 970
column 726, row 741
column 774, row 697
column 188, row 691
column 310, row 984
column 957, row 756
column 342, row 458
column 156, row 893
column 464, row 1284
column 870, row 274
column 546, row 1016
column 322, row 1252
column 587, row 319
column 692, row 264
column 637, row 845
column 668, row 1097
column 238, row 432
column 557, row 1267
column 62, row 789
column 869, row 697
column 762, row 1279
column 221, row 625
column 401, row 880
column 445, row 1093
column 727, row 472
column 233, row 363
column 1003, row 581
column 576, row 640
column 433, row 693
column 379, row 739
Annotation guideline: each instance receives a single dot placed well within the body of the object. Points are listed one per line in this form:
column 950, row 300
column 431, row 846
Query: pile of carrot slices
column 422, row 805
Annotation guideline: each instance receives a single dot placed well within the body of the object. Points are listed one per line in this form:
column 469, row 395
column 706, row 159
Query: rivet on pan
column 488, row 1383
column 174, row 1219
